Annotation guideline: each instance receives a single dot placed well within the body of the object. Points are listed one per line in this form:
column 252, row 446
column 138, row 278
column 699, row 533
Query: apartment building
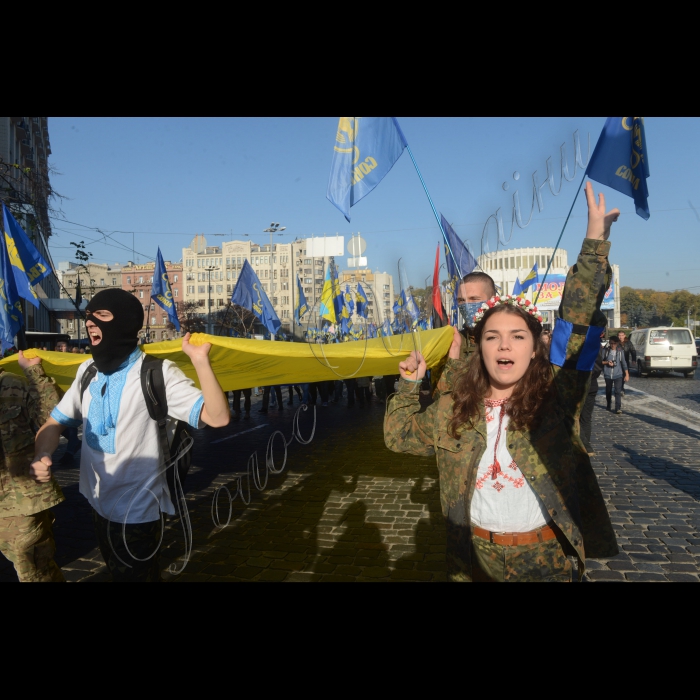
column 211, row 273
column 138, row 279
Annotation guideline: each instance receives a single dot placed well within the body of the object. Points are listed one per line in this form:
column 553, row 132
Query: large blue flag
column 465, row 260
column 410, row 305
column 302, row 307
column 249, row 294
column 11, row 312
column 348, row 300
column 161, row 292
column 361, row 301
column 365, row 150
column 620, row 160
column 28, row 265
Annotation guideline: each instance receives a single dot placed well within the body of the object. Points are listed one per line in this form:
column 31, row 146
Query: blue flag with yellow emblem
column 249, row 294
column 365, row 150
column 161, row 292
column 28, row 265
column 361, row 301
column 465, row 261
column 620, row 160
column 302, row 307
column 11, row 312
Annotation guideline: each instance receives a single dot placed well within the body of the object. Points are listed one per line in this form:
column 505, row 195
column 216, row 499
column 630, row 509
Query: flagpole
column 559, row 239
column 425, row 187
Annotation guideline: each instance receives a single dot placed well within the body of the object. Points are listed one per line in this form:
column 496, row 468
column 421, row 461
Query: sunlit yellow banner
column 241, row 364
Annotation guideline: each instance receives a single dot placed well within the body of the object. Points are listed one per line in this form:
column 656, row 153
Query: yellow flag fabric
column 241, row 364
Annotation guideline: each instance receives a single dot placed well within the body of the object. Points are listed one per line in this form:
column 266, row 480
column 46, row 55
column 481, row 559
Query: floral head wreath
column 524, row 304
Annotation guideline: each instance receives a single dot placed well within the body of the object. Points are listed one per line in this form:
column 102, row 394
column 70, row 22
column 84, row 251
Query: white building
column 505, row 266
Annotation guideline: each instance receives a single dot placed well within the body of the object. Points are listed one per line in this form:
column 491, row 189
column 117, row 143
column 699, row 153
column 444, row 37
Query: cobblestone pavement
column 347, row 509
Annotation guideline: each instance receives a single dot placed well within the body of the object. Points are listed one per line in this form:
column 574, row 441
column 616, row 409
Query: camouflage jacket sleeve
column 42, row 395
column 586, row 284
column 451, row 368
column 406, row 429
column 24, row 407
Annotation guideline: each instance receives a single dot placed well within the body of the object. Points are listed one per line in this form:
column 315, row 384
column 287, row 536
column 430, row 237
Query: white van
column 665, row 349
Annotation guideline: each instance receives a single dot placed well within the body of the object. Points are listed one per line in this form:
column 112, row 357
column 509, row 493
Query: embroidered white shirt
column 506, row 503
column 121, row 465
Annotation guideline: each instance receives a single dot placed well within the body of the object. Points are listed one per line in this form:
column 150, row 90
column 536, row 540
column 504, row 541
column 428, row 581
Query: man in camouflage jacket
column 551, row 457
column 26, row 535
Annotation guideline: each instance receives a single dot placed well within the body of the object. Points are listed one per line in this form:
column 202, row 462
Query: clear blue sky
column 166, row 179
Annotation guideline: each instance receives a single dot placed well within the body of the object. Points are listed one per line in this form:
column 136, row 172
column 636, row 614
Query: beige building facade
column 211, row 272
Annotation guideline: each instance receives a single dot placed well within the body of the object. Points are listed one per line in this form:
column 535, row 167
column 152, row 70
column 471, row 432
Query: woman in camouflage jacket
column 511, row 376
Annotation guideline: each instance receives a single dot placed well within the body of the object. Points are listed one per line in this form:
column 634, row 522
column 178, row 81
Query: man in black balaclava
column 122, row 471
column 114, row 319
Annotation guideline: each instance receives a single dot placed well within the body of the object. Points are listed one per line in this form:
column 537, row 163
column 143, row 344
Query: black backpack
column 153, row 387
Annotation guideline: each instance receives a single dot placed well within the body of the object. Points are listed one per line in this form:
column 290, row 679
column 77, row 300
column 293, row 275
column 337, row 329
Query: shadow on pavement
column 680, row 477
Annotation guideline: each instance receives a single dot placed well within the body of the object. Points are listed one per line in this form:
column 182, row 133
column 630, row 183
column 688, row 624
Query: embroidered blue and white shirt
column 121, row 465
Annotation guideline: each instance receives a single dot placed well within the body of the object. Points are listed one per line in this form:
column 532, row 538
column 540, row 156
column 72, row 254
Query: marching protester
column 26, row 532
column 236, row 401
column 630, row 354
column 474, row 289
column 121, row 467
column 516, row 486
column 615, row 371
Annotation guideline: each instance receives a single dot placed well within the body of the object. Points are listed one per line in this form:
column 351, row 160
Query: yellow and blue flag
column 620, row 160
column 302, row 307
column 249, row 294
column 161, row 292
column 361, row 301
column 532, row 278
column 465, row 261
column 28, row 265
column 326, row 306
column 11, row 313
column 349, row 303
column 517, row 288
column 365, row 150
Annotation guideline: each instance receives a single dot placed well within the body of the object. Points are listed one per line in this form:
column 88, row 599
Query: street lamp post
column 209, row 270
column 274, row 228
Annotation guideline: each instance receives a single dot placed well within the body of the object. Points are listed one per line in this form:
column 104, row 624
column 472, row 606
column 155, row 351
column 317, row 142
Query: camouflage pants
column 142, row 540
column 541, row 561
column 27, row 541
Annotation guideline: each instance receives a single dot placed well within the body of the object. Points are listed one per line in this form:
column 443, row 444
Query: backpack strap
column 153, row 387
column 88, row 376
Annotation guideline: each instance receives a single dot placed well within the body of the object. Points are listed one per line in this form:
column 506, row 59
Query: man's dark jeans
column 618, row 392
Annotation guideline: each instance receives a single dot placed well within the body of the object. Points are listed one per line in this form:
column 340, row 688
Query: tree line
column 643, row 308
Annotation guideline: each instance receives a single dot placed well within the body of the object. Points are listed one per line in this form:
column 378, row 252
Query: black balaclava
column 120, row 335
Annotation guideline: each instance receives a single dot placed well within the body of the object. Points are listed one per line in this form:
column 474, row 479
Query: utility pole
column 274, row 228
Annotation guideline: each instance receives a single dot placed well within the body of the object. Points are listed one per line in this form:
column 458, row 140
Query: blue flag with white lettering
column 620, row 160
column 28, row 265
column 249, row 294
column 465, row 261
column 365, row 150
column 161, row 292
column 302, row 307
column 11, row 312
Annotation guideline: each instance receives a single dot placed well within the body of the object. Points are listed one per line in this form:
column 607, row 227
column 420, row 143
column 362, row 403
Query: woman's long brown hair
column 529, row 395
